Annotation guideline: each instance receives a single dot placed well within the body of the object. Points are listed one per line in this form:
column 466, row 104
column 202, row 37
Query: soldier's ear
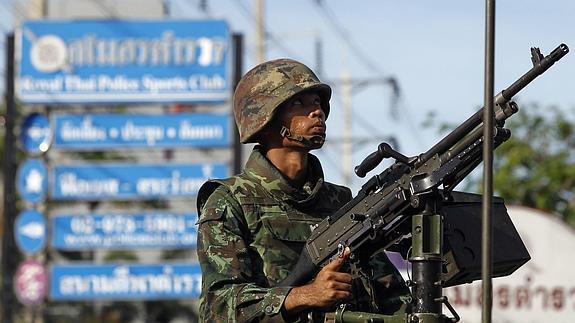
column 269, row 135
column 264, row 136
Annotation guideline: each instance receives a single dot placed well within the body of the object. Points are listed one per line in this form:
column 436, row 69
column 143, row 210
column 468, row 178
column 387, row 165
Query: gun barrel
column 538, row 69
column 500, row 100
column 452, row 138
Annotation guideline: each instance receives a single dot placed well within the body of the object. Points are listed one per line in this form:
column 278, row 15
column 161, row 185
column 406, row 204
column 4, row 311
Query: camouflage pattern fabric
column 252, row 228
column 265, row 87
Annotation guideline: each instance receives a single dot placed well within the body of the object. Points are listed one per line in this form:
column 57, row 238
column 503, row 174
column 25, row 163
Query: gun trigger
column 340, row 250
column 339, row 253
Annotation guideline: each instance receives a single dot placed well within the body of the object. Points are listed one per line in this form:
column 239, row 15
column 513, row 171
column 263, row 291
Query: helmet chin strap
column 311, row 142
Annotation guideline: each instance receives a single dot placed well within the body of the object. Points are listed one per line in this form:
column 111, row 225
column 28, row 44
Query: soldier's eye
column 297, row 102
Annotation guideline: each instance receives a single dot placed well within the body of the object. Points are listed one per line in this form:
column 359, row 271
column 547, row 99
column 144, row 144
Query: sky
column 434, row 49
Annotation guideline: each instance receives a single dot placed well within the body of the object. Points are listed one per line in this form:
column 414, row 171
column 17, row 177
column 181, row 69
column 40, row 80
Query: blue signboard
column 106, row 131
column 123, row 61
column 131, row 181
column 117, row 231
column 32, row 181
column 125, row 282
column 30, row 231
column 35, row 134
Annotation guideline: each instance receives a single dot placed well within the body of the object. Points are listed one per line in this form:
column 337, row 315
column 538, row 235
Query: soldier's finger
column 343, row 295
column 336, row 263
column 341, row 277
column 339, row 286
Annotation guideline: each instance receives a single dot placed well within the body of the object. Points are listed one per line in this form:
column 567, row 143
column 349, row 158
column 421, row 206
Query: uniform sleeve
column 229, row 291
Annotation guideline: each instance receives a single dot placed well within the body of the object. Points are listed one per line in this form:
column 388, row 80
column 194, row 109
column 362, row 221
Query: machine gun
column 409, row 199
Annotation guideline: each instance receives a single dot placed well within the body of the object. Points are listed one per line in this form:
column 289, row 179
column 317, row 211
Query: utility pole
column 260, row 32
column 318, row 56
column 347, row 152
column 8, row 244
column 37, row 9
column 348, row 87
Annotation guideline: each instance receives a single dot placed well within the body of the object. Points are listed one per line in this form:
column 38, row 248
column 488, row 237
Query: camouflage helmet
column 265, row 87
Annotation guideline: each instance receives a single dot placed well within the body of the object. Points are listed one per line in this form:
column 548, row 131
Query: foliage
column 536, row 167
column 121, row 255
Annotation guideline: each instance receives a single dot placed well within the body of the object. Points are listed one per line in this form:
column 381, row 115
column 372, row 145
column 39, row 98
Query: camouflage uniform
column 252, row 228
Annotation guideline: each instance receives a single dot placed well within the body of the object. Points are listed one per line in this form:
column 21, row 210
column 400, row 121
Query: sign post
column 8, row 244
column 71, row 63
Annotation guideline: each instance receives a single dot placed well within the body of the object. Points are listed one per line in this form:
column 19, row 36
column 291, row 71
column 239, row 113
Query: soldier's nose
column 318, row 113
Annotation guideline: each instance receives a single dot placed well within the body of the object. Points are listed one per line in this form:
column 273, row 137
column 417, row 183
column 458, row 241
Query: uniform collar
column 260, row 169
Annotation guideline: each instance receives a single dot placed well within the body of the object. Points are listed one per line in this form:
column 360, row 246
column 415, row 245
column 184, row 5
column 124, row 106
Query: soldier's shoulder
column 209, row 187
column 338, row 188
column 237, row 187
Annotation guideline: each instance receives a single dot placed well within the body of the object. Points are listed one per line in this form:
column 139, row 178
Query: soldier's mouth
column 318, row 127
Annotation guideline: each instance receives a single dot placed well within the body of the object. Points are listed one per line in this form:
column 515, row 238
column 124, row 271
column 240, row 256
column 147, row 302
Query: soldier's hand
column 329, row 288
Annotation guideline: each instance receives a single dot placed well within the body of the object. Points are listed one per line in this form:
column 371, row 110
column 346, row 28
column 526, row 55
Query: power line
column 182, row 13
column 15, row 9
column 110, row 11
column 202, row 5
column 410, row 123
column 326, row 157
column 337, row 26
column 268, row 34
column 364, row 124
column 396, row 105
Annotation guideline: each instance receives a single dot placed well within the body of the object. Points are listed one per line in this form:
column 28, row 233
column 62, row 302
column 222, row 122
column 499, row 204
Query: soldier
column 253, row 226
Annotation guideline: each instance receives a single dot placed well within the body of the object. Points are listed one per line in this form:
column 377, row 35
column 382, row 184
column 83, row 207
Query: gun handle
column 369, row 163
column 384, row 150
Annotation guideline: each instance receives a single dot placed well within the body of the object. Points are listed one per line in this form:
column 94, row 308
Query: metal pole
column 9, row 254
column 237, row 75
column 426, row 260
column 347, row 151
column 260, row 32
column 488, row 119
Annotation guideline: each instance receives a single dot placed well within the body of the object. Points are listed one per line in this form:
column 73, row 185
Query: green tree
column 536, row 167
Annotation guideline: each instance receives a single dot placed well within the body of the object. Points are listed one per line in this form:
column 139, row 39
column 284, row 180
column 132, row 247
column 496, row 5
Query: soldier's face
column 302, row 114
